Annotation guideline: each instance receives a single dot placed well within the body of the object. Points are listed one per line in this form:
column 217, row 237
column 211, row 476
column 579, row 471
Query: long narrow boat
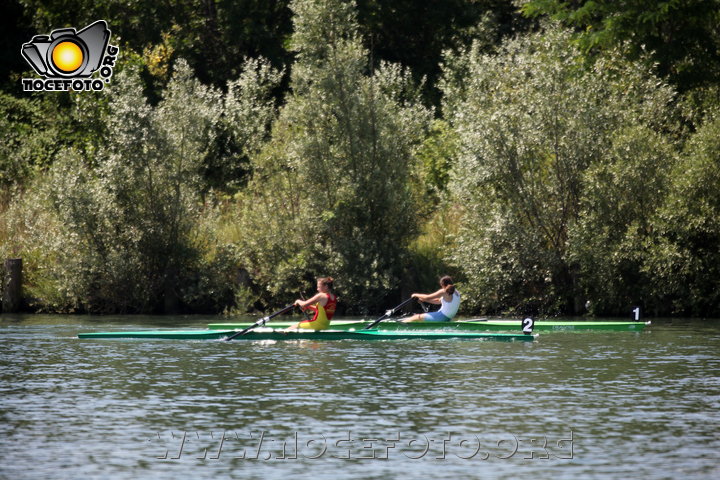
column 272, row 334
column 462, row 326
column 559, row 325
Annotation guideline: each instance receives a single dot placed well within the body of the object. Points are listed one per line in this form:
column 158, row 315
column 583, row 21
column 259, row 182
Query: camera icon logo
column 66, row 57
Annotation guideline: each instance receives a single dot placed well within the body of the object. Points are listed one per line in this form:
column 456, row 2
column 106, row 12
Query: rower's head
column 447, row 284
column 325, row 284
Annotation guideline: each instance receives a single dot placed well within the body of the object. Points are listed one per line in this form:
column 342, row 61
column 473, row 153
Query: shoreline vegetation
column 555, row 159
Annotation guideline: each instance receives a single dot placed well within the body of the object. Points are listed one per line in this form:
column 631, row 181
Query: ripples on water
column 639, row 405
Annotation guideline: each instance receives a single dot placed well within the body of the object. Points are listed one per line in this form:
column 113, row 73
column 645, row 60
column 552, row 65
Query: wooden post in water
column 12, row 285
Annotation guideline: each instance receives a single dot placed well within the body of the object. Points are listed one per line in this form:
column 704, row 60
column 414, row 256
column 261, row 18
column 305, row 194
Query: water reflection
column 109, row 408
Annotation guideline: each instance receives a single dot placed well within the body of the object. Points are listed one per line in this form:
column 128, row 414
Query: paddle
column 388, row 313
column 307, row 317
column 260, row 322
column 410, row 314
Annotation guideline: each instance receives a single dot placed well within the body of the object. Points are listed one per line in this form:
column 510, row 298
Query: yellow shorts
column 319, row 321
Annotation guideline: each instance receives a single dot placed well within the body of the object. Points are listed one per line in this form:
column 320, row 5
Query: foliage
column 28, row 138
column 436, row 155
column 248, row 112
column 415, row 33
column 439, row 215
column 29, row 230
column 682, row 36
column 211, row 35
column 132, row 218
column 617, row 221
column 430, row 250
column 334, row 178
column 684, row 258
column 561, row 174
column 531, row 122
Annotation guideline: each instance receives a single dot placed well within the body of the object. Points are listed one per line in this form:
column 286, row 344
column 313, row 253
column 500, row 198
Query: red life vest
column 323, row 315
column 331, row 304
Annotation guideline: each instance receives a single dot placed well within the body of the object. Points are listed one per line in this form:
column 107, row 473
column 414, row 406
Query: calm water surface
column 601, row 405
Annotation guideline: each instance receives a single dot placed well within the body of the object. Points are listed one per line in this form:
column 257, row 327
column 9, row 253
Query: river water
column 601, row 405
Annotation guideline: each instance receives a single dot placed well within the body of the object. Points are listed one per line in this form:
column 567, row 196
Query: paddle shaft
column 262, row 321
column 389, row 313
column 307, row 317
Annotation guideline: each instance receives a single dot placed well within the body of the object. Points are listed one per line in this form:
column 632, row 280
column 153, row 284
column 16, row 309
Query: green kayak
column 462, row 326
column 272, row 334
column 558, row 325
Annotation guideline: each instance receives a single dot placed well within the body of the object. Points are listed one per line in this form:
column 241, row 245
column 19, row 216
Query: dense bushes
column 551, row 181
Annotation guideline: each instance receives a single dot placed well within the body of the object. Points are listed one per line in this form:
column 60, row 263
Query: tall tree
column 130, row 222
column 684, row 256
column 335, row 177
column 683, row 37
column 416, row 33
column 531, row 121
column 212, row 35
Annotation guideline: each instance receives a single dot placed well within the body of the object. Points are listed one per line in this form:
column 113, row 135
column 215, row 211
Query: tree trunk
column 12, row 286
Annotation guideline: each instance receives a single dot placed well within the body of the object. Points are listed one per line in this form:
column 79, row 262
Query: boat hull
column 464, row 326
column 272, row 334
column 558, row 326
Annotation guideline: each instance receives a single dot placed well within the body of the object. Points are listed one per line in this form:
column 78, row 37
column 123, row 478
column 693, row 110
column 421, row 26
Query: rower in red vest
column 322, row 305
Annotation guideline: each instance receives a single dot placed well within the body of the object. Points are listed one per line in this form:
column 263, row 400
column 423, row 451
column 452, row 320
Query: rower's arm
column 430, row 297
column 320, row 297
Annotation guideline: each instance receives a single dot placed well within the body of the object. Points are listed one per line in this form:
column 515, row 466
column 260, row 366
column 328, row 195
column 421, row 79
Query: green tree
column 415, row 33
column 131, row 219
column 16, row 27
column 130, row 213
column 248, row 113
column 684, row 258
column 29, row 138
column 683, row 37
column 531, row 121
column 618, row 220
column 211, row 35
column 334, row 180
